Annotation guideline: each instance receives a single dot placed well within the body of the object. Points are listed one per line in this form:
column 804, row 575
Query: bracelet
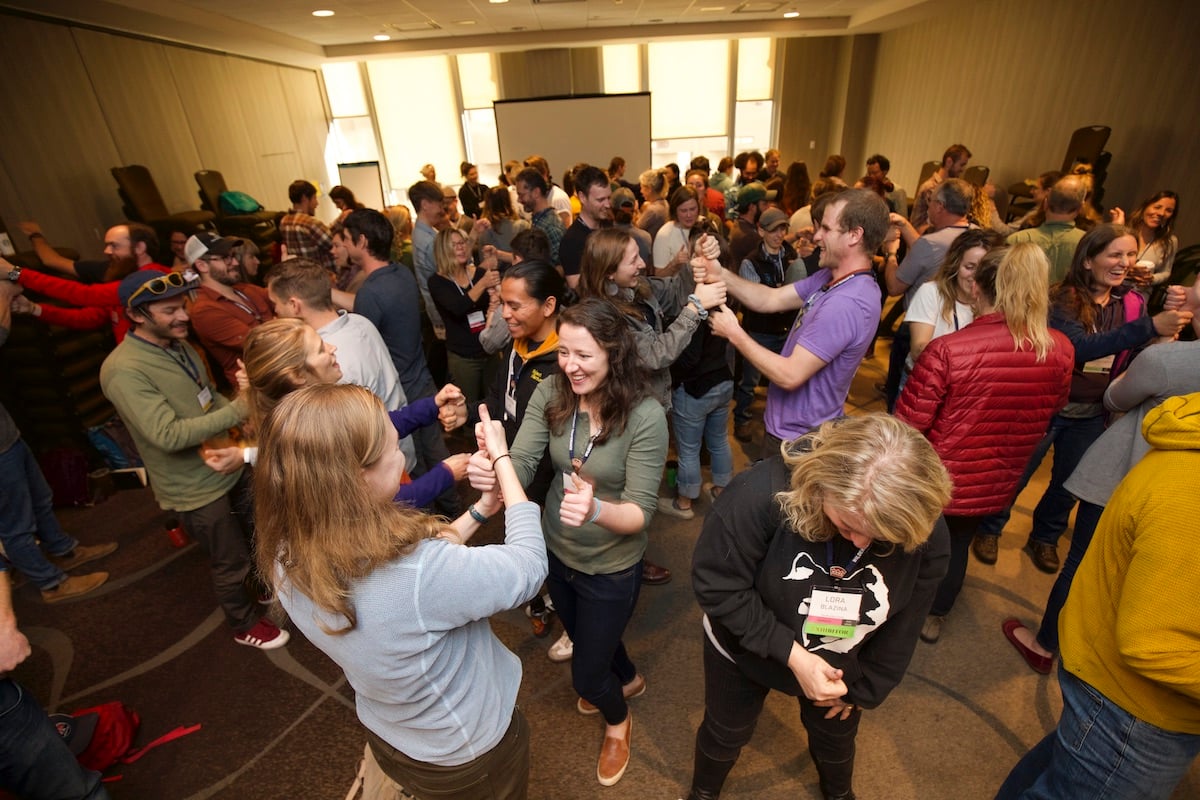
column 596, row 513
column 475, row 515
column 701, row 311
column 502, row 455
column 35, row 235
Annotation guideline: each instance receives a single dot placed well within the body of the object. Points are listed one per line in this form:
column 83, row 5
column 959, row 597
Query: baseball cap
column 76, row 732
column 772, row 218
column 162, row 286
column 622, row 198
column 753, row 192
column 203, row 243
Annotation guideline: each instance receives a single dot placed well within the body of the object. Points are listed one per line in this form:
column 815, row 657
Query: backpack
column 238, row 203
column 103, row 735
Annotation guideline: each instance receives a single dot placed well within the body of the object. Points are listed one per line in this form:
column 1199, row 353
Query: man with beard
column 594, row 191
column 226, row 308
column 533, row 191
column 839, row 311
column 954, row 164
column 157, row 383
column 129, row 246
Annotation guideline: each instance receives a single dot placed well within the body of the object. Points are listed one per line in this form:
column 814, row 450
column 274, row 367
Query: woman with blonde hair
column 654, row 212
column 984, row 396
column 284, row 355
column 814, row 570
column 463, row 294
column 380, row 590
column 402, row 224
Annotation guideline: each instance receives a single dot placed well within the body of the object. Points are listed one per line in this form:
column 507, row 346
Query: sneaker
column 75, row 586
column 614, row 756
column 670, row 507
column 635, row 688
column 986, row 548
column 83, row 554
column 1045, row 556
column 931, row 631
column 265, row 635
column 561, row 650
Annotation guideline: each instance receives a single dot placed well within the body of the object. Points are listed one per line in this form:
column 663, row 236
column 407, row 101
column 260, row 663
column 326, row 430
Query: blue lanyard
column 577, row 463
column 185, row 363
column 836, row 572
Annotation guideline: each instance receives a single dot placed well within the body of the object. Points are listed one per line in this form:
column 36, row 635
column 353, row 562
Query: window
column 689, row 89
column 622, row 64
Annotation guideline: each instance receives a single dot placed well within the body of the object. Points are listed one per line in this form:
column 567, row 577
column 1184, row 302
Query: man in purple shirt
column 838, row 313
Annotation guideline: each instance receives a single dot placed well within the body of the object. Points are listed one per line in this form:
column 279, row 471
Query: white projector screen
column 567, row 130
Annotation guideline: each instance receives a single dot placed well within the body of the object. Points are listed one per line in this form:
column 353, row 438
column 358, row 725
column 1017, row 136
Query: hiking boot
column 931, row 631
column 1045, row 556
column 986, row 548
column 265, row 635
column 83, row 554
column 75, row 586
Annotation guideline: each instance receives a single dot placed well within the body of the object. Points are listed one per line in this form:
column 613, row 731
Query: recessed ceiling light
column 497, row 2
column 322, row 12
column 712, row 8
column 464, row 22
column 382, row 37
column 791, row 15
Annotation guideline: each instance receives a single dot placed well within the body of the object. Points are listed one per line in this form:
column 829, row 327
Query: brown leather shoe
column 635, row 688
column 653, row 574
column 743, row 432
column 74, row 586
column 614, row 756
column 1045, row 556
column 83, row 554
column 986, row 548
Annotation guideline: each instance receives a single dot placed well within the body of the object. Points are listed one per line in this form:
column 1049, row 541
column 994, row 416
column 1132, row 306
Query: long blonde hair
column 443, row 253
column 1015, row 280
column 316, row 519
column 872, row 465
column 276, row 364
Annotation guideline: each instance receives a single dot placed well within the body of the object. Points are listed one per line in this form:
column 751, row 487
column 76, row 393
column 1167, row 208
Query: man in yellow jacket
column 1130, row 633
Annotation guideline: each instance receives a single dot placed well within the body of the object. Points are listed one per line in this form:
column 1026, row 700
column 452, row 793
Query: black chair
column 260, row 227
column 977, row 176
column 143, row 203
column 1085, row 146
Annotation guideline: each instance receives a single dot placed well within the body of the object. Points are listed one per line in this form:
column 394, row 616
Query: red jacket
column 984, row 406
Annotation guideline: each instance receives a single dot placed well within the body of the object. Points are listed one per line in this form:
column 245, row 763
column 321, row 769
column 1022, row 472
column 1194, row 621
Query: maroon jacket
column 984, row 406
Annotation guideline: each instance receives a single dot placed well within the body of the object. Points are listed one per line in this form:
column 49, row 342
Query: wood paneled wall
column 550, row 73
column 1012, row 81
column 79, row 102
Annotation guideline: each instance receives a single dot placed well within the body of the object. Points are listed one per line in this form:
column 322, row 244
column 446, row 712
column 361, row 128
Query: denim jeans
column 704, row 419
column 594, row 610
column 1086, row 520
column 1100, row 750
column 1071, row 438
column 732, row 705
column 744, row 393
column 27, row 516
column 35, row 762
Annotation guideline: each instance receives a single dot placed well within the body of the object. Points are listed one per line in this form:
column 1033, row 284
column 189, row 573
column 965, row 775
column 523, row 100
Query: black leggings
column 732, row 705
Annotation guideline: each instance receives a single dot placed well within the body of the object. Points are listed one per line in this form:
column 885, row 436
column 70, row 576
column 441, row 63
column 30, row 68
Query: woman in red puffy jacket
column 984, row 396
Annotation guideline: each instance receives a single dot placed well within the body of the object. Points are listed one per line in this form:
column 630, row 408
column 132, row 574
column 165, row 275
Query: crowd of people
column 549, row 334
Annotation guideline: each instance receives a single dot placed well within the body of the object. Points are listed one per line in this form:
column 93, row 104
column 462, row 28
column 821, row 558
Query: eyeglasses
column 172, row 280
column 226, row 259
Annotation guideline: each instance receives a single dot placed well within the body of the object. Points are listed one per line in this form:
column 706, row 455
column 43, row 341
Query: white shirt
column 926, row 307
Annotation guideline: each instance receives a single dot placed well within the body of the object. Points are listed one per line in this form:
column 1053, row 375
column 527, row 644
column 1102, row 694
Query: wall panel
column 144, row 112
column 807, row 100
column 55, row 142
column 1013, row 80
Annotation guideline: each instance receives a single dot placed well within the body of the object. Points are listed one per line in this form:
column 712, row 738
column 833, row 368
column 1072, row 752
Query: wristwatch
column 14, row 274
column 701, row 311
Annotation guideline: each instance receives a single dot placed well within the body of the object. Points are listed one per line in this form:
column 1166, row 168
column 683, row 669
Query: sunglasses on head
column 172, row 280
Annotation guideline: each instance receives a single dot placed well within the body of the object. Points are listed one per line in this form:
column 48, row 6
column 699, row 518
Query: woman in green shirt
column 607, row 439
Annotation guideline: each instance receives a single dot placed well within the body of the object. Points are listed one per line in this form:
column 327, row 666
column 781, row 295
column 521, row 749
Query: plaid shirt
column 307, row 237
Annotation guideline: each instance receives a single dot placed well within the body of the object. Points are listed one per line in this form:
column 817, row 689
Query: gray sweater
column 1159, row 372
column 430, row 677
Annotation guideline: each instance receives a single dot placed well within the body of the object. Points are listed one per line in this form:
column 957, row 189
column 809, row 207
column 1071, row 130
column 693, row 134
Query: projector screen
column 567, row 130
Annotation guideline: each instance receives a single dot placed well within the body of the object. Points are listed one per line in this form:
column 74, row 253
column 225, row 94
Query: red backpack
column 103, row 735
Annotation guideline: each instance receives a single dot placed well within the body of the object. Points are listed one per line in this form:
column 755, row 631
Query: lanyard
column 577, row 463
column 247, row 306
column 836, row 572
column 824, row 290
column 185, row 362
column 514, row 375
column 470, row 285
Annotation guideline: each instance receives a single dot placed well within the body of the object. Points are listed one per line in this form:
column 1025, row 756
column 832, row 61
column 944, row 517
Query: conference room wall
column 1013, row 80
column 80, row 101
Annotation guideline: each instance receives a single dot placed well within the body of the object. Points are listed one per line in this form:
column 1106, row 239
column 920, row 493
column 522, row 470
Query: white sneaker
column 562, row 650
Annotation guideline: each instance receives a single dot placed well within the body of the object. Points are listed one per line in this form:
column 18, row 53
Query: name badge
column 1099, row 366
column 510, row 406
column 476, row 320
column 204, row 398
column 833, row 614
